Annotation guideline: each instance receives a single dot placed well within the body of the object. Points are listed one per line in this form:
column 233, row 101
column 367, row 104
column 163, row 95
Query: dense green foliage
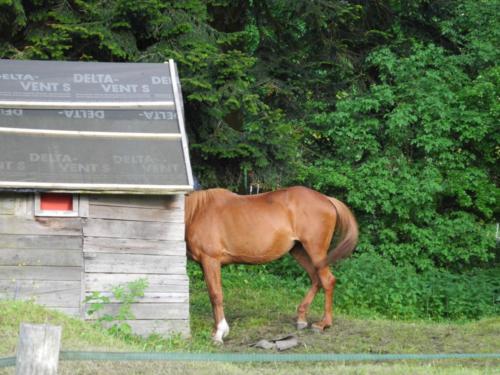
column 390, row 105
column 401, row 292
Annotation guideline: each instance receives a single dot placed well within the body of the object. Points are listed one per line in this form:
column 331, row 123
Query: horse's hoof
column 301, row 325
column 217, row 341
column 317, row 329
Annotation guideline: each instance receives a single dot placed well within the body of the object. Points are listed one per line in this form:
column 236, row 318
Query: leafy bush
column 416, row 153
column 372, row 283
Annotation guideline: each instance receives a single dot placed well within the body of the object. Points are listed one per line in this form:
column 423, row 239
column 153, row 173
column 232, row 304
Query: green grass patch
column 260, row 305
column 76, row 335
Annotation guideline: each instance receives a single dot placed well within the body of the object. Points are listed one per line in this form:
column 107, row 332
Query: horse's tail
column 347, row 228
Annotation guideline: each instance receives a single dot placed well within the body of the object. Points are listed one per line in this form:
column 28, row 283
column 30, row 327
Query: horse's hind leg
column 303, row 259
column 328, row 283
column 316, row 250
column 212, row 273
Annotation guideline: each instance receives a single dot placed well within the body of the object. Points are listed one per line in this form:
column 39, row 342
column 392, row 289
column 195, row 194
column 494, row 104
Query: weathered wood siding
column 127, row 238
column 117, row 239
column 40, row 258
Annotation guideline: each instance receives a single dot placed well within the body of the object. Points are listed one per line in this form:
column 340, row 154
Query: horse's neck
column 198, row 200
column 193, row 203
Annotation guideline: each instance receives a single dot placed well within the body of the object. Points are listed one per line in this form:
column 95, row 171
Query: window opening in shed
column 56, row 204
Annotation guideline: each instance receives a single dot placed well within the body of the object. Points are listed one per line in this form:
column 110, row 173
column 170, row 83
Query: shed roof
column 92, row 127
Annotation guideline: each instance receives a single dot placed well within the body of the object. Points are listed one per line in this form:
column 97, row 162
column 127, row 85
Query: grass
column 263, row 306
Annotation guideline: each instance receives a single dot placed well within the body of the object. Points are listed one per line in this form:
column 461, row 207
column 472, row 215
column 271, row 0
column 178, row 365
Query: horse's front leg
column 212, row 272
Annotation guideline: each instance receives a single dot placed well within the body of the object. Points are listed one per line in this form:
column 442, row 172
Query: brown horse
column 223, row 227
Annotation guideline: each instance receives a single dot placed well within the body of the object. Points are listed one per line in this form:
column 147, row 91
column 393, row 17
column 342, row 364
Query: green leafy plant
column 371, row 283
column 125, row 295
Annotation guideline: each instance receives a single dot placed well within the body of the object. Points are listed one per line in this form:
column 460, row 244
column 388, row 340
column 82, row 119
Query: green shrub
column 372, row 283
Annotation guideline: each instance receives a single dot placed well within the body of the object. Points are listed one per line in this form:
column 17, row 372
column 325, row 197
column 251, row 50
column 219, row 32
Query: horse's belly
column 254, row 247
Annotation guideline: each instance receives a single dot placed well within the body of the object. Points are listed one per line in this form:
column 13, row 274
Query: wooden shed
column 94, row 167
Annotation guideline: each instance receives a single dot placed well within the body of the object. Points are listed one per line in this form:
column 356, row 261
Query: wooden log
column 134, row 263
column 38, row 349
column 133, row 246
column 133, row 229
column 157, row 283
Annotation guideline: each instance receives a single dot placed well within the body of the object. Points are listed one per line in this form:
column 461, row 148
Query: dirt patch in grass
column 348, row 335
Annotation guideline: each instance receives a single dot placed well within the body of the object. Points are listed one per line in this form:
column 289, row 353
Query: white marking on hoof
column 222, row 331
column 301, row 324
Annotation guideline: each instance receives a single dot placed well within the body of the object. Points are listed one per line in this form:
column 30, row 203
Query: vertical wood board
column 38, row 348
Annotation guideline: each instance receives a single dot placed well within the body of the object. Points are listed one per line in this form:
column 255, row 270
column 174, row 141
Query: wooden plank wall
column 40, row 258
column 58, row 261
column 126, row 238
